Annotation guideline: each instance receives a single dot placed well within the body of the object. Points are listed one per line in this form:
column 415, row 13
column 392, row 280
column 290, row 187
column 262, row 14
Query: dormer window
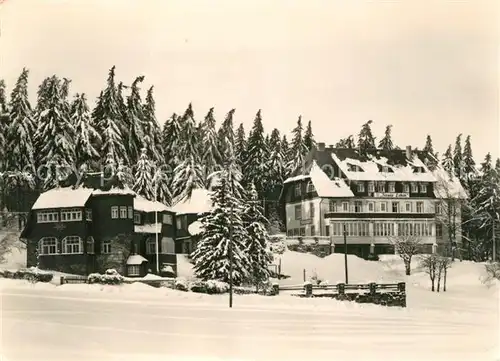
column 423, row 188
column 354, row 168
column 414, row 188
column 406, row 188
column 418, row 170
column 392, row 187
column 371, row 187
column 297, row 190
column 310, row 187
column 385, row 169
column 361, row 187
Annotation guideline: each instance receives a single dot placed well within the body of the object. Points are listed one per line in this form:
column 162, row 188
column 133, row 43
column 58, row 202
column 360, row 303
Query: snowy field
column 138, row 322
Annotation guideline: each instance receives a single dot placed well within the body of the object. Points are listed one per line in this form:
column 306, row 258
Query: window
column 423, row 188
column 298, row 212
column 385, row 169
column 310, row 187
column 333, row 206
column 47, row 217
column 114, row 212
column 383, row 206
column 371, row 187
column 311, row 210
column 134, row 270
column 355, row 229
column 106, row 247
column 395, row 207
column 420, row 207
column 418, row 229
column 297, row 190
column 130, row 212
column 406, row 188
column 361, row 187
column 337, row 229
column 123, row 212
column 150, row 246
column 137, row 218
column 345, row 206
column 358, row 207
column 178, row 222
column 407, row 207
column 90, row 245
column 414, row 188
column 296, row 232
column 167, row 219
column 71, row 215
column 392, row 187
column 48, row 245
column 167, row 245
column 289, row 232
column 72, row 245
column 88, row 214
column 302, row 232
column 371, row 207
column 439, row 230
column 381, row 187
column 313, row 230
column 438, row 208
column 383, row 229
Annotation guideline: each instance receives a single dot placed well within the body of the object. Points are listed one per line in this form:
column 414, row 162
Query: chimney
column 408, row 151
column 321, row 147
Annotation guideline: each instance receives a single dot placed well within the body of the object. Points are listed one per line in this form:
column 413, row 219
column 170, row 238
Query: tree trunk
column 407, row 267
column 432, row 280
column 439, row 281
column 444, row 279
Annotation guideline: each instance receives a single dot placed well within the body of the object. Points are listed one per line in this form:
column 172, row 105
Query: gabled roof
column 144, row 205
column 324, row 186
column 199, row 202
column 66, row 197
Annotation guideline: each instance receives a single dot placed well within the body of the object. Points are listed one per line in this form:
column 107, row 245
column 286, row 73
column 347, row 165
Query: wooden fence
column 152, row 282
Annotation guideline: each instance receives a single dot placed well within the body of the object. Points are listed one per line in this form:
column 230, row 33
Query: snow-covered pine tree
column 3, row 97
column 240, row 145
column 309, row 141
column 257, row 155
column 55, row 137
column 447, row 162
column 171, row 138
column 223, row 233
column 226, row 136
column 257, row 238
column 135, row 122
column 3, row 121
column 458, row 162
column 497, row 165
column 275, row 164
column 469, row 171
column 144, row 177
column 124, row 175
column 386, row 142
column 347, row 143
column 162, row 179
column 188, row 175
column 86, row 137
column 433, row 159
column 210, row 157
column 65, row 95
column 486, row 165
column 19, row 161
column 298, row 149
column 366, row 140
column 109, row 121
column 152, row 130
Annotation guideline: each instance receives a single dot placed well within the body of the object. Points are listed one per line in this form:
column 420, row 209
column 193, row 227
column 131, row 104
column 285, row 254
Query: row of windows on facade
column 380, row 186
column 74, row 245
column 357, row 207
column 117, row 212
column 380, row 229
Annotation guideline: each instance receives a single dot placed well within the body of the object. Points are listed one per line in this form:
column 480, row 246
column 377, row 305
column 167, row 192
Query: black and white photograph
column 235, row 180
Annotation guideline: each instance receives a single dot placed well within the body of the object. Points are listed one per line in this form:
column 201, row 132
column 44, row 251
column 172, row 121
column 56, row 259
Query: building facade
column 376, row 198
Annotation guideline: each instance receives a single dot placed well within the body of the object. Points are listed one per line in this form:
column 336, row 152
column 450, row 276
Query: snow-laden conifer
column 136, row 137
column 458, row 162
column 240, row 145
column 226, row 136
column 366, row 140
column 386, row 142
column 447, row 162
column 309, row 141
column 257, row 155
column 144, row 177
column 210, row 157
column 298, row 149
column 152, row 132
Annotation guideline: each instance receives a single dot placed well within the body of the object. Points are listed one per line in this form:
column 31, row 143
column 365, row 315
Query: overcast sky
column 424, row 66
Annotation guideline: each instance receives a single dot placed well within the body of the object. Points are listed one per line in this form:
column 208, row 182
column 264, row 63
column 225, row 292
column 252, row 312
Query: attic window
column 385, row 169
column 310, row 187
column 354, row 168
column 418, row 170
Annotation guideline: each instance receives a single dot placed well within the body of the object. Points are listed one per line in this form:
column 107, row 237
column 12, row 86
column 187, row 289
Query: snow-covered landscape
column 133, row 321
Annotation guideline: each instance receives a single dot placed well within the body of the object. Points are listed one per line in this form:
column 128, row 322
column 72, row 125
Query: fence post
column 62, row 280
column 304, row 274
column 402, row 287
column 341, row 289
column 373, row 288
column 309, row 289
column 276, row 289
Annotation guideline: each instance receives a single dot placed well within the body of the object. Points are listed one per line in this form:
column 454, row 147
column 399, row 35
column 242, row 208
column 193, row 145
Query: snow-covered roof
column 447, row 187
column 200, row 202
column 147, row 228
column 297, row 178
column 370, row 171
column 135, row 260
column 144, row 205
column 326, row 187
column 66, row 197
column 195, row 228
column 114, row 191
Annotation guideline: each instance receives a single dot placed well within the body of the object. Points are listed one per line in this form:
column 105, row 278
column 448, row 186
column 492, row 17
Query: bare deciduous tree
column 406, row 246
column 444, row 263
column 429, row 263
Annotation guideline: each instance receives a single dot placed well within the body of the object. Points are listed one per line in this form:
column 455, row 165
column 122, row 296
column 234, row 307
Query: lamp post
column 345, row 255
